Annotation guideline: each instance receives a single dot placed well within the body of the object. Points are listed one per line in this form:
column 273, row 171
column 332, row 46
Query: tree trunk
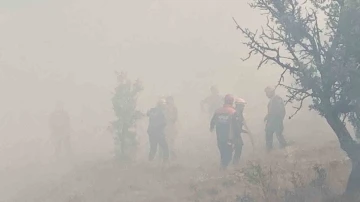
column 352, row 149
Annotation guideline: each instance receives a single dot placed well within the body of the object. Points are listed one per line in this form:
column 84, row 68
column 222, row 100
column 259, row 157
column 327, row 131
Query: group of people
column 226, row 116
column 229, row 122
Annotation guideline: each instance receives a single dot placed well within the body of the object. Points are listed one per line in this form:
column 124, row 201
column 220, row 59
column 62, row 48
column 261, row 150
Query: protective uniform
column 157, row 124
column 225, row 122
column 274, row 119
column 60, row 127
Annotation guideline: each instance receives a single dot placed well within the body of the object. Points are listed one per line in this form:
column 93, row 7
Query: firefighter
column 171, row 129
column 241, row 124
column 157, row 124
column 60, row 126
column 274, row 118
column 213, row 101
column 224, row 121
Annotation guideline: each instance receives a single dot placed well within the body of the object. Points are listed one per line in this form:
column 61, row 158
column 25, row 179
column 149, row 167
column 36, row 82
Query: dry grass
column 279, row 177
column 289, row 178
column 301, row 173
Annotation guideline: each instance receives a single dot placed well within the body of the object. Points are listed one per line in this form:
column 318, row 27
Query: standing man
column 225, row 122
column 157, row 124
column 274, row 119
column 59, row 122
column 171, row 129
column 241, row 124
column 213, row 101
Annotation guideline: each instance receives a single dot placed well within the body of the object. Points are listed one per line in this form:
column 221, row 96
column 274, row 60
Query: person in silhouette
column 274, row 119
column 157, row 124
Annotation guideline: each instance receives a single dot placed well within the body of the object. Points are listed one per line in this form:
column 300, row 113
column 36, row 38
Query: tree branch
column 256, row 47
column 298, row 108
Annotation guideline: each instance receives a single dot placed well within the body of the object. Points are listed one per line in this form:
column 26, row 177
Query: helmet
column 229, row 99
column 269, row 89
column 240, row 101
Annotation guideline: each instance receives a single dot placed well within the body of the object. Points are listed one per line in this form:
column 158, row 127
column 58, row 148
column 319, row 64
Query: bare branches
column 298, row 34
column 296, row 94
column 316, row 33
column 322, row 60
column 237, row 25
column 268, row 44
column 282, row 78
column 293, row 40
column 264, row 48
column 298, row 108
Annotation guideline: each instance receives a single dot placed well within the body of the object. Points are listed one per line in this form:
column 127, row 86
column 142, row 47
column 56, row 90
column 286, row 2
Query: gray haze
column 68, row 50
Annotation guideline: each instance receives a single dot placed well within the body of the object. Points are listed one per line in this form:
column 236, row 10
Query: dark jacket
column 276, row 109
column 239, row 117
column 238, row 128
column 224, row 120
column 157, row 120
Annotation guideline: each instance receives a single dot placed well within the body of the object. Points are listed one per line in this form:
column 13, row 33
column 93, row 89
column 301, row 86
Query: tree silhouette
column 322, row 58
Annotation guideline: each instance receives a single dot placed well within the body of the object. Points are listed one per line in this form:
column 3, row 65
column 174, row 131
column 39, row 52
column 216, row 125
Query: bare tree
column 321, row 58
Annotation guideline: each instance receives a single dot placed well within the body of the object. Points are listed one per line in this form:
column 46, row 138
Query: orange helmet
column 240, row 101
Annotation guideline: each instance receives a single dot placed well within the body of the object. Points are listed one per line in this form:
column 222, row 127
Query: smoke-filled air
column 180, row 101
